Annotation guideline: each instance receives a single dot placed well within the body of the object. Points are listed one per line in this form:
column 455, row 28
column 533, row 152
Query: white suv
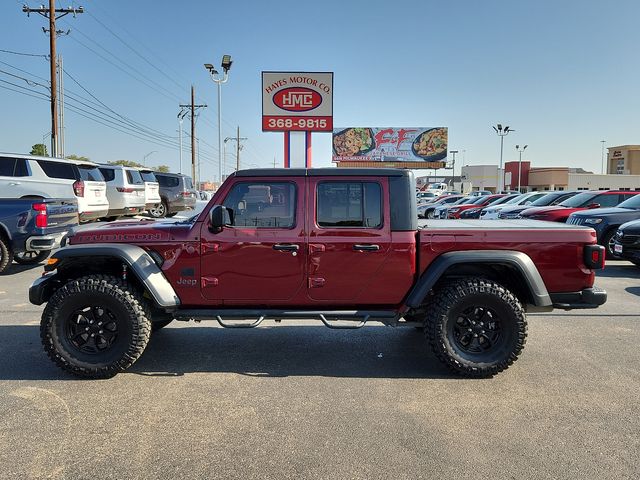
column 30, row 176
column 151, row 189
column 125, row 191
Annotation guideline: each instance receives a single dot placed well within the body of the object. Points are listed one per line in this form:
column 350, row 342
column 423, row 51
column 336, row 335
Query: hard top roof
column 323, row 172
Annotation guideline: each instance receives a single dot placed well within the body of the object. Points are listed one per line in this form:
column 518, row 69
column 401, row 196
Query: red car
column 482, row 201
column 581, row 201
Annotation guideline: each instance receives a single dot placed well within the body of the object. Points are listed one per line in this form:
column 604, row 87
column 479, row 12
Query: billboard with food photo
column 405, row 144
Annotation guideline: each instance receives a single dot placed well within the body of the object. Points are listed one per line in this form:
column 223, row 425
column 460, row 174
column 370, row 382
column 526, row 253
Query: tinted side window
column 109, row 174
column 134, row 177
column 21, row 169
column 7, row 166
column 607, row 200
column 266, row 205
column 58, row 169
column 91, row 174
column 349, row 204
column 169, row 182
column 188, row 184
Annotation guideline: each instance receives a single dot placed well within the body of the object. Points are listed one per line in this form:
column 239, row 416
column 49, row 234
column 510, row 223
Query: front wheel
column 476, row 327
column 431, row 214
column 30, row 257
column 609, row 244
column 95, row 326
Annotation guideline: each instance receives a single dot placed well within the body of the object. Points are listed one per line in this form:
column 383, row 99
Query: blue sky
column 563, row 74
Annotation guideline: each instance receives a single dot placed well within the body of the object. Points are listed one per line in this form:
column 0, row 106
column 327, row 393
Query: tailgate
column 95, row 193
column 62, row 215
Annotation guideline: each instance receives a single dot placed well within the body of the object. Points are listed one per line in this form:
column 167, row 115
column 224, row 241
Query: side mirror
column 219, row 217
column 593, row 205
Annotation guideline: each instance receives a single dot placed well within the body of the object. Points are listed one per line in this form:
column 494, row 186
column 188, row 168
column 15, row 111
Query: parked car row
column 604, row 210
column 101, row 191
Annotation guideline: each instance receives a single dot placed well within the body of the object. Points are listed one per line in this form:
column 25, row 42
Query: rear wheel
column 6, row 254
column 431, row 214
column 30, row 257
column 476, row 327
column 159, row 211
column 95, row 326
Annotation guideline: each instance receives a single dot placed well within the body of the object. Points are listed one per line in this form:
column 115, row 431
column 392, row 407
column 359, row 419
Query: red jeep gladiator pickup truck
column 342, row 246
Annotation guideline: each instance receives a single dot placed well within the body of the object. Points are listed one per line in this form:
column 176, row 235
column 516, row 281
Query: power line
column 24, row 54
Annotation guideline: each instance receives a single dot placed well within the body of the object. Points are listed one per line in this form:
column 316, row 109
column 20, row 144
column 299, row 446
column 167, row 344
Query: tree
column 77, row 157
column 39, row 149
column 162, row 169
column 125, row 163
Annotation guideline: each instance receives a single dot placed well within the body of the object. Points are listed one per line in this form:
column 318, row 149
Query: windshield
column 633, row 202
column 462, row 201
column 579, row 200
column 506, row 200
column 548, row 199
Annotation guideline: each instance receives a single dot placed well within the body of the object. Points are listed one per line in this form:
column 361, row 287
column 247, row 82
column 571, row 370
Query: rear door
column 261, row 258
column 95, row 188
column 349, row 236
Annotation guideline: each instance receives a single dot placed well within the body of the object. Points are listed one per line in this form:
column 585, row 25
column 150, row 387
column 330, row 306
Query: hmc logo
column 297, row 99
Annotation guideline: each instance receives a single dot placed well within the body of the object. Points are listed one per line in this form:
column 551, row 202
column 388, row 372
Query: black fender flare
column 137, row 259
column 517, row 260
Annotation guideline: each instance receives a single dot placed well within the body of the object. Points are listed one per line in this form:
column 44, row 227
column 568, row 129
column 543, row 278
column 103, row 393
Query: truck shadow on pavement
column 17, row 268
column 271, row 351
column 619, row 269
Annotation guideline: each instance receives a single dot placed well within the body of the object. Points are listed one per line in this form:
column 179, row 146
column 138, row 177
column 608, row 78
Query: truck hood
column 128, row 232
column 553, row 208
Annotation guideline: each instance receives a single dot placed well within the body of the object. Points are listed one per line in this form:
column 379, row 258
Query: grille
column 508, row 215
column 575, row 220
column 627, row 239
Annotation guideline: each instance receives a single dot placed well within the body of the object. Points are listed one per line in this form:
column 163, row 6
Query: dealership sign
column 297, row 101
column 406, row 144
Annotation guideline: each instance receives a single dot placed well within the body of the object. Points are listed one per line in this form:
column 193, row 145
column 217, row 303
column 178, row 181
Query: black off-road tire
column 94, row 297
column 607, row 243
column 6, row 254
column 475, row 306
column 31, row 258
column 160, row 324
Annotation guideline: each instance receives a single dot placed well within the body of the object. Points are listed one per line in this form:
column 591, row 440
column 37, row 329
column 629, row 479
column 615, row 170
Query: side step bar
column 328, row 318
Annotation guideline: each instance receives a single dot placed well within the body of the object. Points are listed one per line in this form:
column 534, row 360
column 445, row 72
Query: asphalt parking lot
column 302, row 401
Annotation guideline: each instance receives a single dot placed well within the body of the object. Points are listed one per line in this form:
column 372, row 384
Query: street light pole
column 520, row 163
column 181, row 116
column 144, row 159
column 215, row 76
column 602, row 142
column 453, row 162
column 501, row 133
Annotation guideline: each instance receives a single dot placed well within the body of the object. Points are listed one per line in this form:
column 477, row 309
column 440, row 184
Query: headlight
column 593, row 221
column 453, row 210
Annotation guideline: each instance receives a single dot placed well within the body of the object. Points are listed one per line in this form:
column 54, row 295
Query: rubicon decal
column 297, row 99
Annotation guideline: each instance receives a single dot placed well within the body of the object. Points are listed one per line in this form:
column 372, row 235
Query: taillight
column 42, row 220
column 125, row 190
column 594, row 256
column 78, row 188
column 185, row 194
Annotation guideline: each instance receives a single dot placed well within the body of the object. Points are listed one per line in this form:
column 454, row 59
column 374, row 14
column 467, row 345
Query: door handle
column 286, row 247
column 366, row 248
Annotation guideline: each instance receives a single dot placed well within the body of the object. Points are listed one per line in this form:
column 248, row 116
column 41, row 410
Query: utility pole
column 192, row 109
column 238, row 139
column 61, row 106
column 53, row 14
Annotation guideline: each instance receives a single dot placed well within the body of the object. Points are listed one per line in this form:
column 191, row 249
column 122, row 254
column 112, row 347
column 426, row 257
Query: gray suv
column 176, row 194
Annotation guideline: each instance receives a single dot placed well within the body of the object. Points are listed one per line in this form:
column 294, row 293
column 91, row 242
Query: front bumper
column 44, row 242
column 42, row 288
column 588, row 298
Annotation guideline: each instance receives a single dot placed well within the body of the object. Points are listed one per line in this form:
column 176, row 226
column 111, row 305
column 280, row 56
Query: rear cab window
column 349, row 204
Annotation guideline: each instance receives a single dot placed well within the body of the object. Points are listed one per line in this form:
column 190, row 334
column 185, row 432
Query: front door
column 349, row 237
column 261, row 258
